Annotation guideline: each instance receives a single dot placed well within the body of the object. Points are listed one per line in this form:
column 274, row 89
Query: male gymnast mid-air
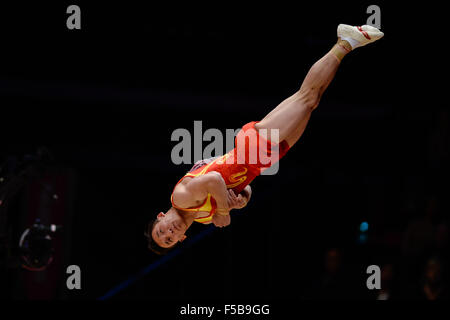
column 213, row 187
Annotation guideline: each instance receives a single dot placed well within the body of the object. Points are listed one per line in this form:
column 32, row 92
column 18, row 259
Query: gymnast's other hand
column 236, row 202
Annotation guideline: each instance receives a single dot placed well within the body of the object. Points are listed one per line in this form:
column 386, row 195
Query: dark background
column 105, row 99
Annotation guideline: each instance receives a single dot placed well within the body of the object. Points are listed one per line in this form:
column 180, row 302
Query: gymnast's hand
column 236, row 202
column 221, row 220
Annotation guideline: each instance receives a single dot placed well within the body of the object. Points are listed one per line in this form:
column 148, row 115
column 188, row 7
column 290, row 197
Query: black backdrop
column 105, row 100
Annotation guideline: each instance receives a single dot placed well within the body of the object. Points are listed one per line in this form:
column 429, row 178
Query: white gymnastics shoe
column 358, row 36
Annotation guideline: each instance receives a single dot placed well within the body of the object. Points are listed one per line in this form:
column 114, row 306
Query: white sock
column 352, row 42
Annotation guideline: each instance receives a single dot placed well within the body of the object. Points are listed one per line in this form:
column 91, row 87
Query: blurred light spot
column 362, row 238
column 364, row 226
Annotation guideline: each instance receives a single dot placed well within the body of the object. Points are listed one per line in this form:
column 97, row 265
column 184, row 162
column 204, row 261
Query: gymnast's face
column 169, row 229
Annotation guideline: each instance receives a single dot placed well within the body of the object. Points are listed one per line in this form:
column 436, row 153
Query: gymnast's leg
column 291, row 116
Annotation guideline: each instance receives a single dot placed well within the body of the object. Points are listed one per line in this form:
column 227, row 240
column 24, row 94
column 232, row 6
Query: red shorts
column 255, row 151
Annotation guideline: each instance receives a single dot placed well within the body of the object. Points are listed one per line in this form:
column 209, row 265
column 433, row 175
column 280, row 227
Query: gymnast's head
column 165, row 231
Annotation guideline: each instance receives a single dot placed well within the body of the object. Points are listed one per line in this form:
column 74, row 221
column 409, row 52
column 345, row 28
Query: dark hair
column 152, row 245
